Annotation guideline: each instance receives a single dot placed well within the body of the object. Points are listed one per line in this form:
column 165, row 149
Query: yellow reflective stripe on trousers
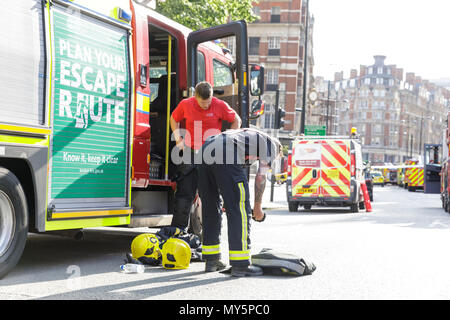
column 215, row 249
column 243, row 216
column 240, row 255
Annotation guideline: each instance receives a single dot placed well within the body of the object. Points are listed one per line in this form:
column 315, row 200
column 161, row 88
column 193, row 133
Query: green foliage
column 198, row 14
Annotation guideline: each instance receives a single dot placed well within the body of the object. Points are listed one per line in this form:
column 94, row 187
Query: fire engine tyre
column 13, row 221
column 195, row 219
column 354, row 207
column 293, row 206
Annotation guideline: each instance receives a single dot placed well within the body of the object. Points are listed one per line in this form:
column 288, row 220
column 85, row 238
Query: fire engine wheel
column 195, row 219
column 293, row 206
column 13, row 221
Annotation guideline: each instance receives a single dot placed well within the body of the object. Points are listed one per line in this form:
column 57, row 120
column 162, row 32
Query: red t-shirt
column 200, row 123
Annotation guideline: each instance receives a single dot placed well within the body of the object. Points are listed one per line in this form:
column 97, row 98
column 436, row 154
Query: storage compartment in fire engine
column 162, row 67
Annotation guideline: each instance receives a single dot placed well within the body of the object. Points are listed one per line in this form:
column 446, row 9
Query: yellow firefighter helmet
column 145, row 245
column 176, row 254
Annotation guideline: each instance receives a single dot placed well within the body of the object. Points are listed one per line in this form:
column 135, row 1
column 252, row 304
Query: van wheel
column 354, row 208
column 13, row 221
column 293, row 206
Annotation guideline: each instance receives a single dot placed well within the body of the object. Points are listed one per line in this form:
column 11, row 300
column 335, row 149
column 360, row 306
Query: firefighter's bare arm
column 236, row 124
column 260, row 185
column 175, row 126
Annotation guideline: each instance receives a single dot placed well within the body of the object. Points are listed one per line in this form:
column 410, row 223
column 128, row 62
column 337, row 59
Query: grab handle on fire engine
column 314, row 173
column 169, row 82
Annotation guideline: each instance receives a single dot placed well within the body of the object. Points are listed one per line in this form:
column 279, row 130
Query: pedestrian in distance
column 193, row 120
column 222, row 173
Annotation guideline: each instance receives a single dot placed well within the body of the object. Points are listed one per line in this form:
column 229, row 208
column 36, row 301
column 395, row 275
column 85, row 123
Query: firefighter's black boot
column 249, row 271
column 214, row 265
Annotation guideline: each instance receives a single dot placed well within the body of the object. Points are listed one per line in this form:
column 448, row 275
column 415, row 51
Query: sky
column 348, row 33
column 412, row 34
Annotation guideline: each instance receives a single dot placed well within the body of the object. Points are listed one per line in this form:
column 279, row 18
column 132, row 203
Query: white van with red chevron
column 325, row 171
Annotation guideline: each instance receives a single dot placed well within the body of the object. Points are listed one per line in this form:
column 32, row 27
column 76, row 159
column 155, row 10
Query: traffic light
column 279, row 118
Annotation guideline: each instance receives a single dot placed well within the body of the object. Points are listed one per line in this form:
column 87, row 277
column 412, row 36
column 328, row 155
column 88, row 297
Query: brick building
column 395, row 113
column 277, row 41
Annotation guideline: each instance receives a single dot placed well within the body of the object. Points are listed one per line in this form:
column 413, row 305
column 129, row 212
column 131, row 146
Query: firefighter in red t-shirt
column 202, row 116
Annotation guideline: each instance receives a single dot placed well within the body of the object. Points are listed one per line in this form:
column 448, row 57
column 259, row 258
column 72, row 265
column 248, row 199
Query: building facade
column 277, row 41
column 394, row 113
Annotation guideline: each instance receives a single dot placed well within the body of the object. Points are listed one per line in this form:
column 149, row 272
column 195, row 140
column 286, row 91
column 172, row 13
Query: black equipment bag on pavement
column 279, row 263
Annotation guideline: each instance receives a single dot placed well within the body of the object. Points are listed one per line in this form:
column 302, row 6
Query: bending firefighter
column 222, row 172
column 201, row 116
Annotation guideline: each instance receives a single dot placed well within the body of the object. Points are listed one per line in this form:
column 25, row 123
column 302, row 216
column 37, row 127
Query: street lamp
column 305, row 70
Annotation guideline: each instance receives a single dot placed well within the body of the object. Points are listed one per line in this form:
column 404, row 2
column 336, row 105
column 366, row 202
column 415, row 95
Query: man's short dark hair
column 203, row 90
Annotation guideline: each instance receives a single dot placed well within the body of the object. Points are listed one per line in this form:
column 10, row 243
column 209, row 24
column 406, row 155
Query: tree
column 198, row 14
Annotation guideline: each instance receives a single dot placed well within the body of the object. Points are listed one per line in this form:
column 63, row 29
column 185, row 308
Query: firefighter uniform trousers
column 187, row 177
column 230, row 181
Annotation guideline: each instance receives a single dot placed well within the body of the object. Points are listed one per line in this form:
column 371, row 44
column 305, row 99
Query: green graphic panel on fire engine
column 90, row 108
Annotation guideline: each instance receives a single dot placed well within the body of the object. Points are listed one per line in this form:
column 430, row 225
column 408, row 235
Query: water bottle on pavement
column 132, row 268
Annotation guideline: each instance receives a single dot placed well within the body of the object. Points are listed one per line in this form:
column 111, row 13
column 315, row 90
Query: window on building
column 253, row 45
column 269, row 118
column 380, row 70
column 362, row 115
column 378, row 115
column 370, row 70
column 352, row 83
column 257, row 12
column 272, row 79
column 274, row 46
column 379, row 81
column 275, row 14
column 230, row 43
column 367, row 81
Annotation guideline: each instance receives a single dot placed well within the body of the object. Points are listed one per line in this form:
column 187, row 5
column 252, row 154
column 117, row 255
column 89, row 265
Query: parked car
column 377, row 178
